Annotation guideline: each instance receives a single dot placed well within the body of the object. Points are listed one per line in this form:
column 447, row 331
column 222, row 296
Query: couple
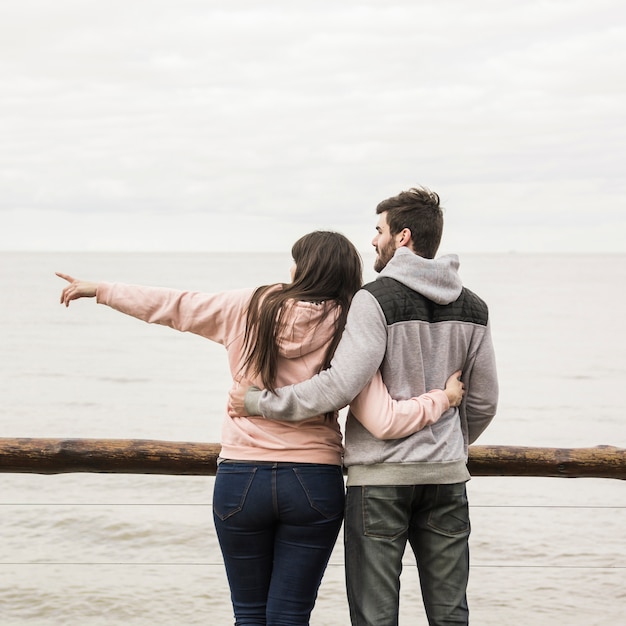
column 279, row 492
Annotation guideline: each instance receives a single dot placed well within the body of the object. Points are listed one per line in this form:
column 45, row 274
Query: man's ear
column 404, row 238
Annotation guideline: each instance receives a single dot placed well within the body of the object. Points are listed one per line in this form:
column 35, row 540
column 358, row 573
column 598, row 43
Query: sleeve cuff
column 251, row 401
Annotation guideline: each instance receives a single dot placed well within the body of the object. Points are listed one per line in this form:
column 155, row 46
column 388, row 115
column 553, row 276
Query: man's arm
column 481, row 400
column 357, row 358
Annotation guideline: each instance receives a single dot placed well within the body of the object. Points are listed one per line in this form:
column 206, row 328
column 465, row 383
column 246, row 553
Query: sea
column 96, row 549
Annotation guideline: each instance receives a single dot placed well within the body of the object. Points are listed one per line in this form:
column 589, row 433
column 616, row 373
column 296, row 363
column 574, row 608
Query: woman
column 279, row 491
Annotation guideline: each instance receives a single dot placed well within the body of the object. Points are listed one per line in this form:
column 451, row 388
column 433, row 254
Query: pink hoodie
column 221, row 318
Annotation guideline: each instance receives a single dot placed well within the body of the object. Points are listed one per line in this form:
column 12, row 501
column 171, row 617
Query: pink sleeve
column 209, row 315
column 387, row 418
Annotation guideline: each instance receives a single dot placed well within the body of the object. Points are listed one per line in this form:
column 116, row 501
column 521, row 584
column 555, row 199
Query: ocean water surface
column 96, row 549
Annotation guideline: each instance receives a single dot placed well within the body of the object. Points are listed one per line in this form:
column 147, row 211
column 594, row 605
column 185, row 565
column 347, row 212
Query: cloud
column 301, row 115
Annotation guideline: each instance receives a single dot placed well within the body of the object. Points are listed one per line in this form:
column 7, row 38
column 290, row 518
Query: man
column 416, row 322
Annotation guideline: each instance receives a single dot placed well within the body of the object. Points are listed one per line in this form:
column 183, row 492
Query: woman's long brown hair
column 328, row 267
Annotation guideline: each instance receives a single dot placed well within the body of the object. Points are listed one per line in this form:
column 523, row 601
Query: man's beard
column 383, row 256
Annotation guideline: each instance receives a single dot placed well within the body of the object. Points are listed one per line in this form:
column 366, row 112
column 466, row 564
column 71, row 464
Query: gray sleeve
column 481, row 401
column 358, row 356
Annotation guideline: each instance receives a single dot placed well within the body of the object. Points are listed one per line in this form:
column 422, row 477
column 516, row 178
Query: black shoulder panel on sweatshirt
column 401, row 304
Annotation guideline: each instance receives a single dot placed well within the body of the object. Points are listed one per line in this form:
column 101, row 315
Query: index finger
column 67, row 277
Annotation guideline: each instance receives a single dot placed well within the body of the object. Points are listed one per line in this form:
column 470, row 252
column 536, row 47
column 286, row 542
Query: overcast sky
column 241, row 125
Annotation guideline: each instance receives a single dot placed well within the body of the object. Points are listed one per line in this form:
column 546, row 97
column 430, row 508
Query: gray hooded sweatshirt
column 418, row 324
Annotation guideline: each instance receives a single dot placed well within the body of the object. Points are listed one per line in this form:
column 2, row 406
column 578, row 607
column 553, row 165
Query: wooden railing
column 145, row 456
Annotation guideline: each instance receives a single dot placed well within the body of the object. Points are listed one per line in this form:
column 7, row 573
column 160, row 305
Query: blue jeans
column 276, row 524
column 379, row 521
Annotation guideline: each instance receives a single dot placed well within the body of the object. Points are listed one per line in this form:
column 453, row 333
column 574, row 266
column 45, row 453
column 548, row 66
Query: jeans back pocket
column 232, row 483
column 324, row 488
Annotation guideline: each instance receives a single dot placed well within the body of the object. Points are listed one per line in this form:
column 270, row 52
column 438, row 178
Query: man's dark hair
column 418, row 210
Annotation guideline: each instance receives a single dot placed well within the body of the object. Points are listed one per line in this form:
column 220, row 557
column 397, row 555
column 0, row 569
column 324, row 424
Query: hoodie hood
column 308, row 326
column 436, row 279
